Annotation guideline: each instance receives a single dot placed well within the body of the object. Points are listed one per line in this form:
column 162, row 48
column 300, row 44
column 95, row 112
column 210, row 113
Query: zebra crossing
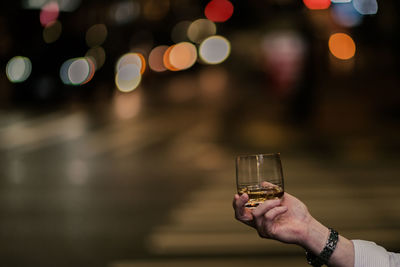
column 204, row 226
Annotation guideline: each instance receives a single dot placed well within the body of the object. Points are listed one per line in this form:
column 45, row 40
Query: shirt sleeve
column 369, row 254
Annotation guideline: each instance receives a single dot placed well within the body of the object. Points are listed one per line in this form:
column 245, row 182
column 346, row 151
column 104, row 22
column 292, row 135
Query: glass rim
column 243, row 156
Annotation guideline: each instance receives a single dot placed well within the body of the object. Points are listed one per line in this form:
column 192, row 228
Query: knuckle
column 269, row 216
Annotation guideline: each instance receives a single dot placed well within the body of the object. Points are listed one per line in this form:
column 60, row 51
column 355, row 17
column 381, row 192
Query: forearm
column 314, row 240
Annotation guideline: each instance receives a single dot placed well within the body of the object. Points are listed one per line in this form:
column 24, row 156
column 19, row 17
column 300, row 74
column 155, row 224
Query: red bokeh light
column 317, row 4
column 49, row 13
column 219, row 10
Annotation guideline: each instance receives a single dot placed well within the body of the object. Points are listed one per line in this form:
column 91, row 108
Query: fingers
column 239, row 201
column 275, row 212
column 238, row 204
column 242, row 213
column 265, row 207
column 267, row 184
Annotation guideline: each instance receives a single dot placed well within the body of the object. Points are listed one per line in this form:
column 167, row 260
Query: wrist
column 314, row 237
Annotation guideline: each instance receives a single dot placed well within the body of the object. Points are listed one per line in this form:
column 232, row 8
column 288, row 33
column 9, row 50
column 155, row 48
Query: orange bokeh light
column 342, row 46
column 183, row 55
column 167, row 61
column 132, row 58
column 317, row 4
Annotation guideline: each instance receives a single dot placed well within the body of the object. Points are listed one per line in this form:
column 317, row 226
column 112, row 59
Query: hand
column 286, row 219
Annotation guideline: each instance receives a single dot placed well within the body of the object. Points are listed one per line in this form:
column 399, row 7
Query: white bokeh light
column 214, row 49
column 78, row 71
column 128, row 78
column 366, row 7
column 18, row 69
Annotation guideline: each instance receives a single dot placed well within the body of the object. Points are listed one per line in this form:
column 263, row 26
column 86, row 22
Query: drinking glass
column 260, row 177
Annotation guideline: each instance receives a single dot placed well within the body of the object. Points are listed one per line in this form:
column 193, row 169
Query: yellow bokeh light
column 342, row 46
column 132, row 58
column 18, row 69
column 214, row 49
column 128, row 78
column 179, row 32
column 155, row 9
column 201, row 29
column 98, row 55
column 183, row 55
column 96, row 35
column 52, row 32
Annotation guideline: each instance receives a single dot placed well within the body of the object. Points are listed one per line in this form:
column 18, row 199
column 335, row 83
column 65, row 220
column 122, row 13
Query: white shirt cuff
column 369, row 254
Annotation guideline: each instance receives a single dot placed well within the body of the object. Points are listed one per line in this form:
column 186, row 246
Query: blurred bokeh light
column 97, row 55
column 107, row 107
column 167, row 59
column 128, row 78
column 342, row 46
column 179, row 32
column 136, row 59
column 124, row 12
column 96, row 35
column 127, row 104
column 49, row 13
column 214, row 49
column 52, row 31
column 366, row 7
column 201, row 29
column 317, row 4
column 219, row 10
column 346, row 15
column 155, row 10
column 284, row 54
column 341, row 1
column 77, row 71
column 156, row 56
column 183, row 55
column 18, row 69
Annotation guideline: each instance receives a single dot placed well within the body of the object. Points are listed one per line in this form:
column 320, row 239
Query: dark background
column 90, row 176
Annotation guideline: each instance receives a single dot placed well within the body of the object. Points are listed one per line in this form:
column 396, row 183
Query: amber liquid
column 258, row 195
